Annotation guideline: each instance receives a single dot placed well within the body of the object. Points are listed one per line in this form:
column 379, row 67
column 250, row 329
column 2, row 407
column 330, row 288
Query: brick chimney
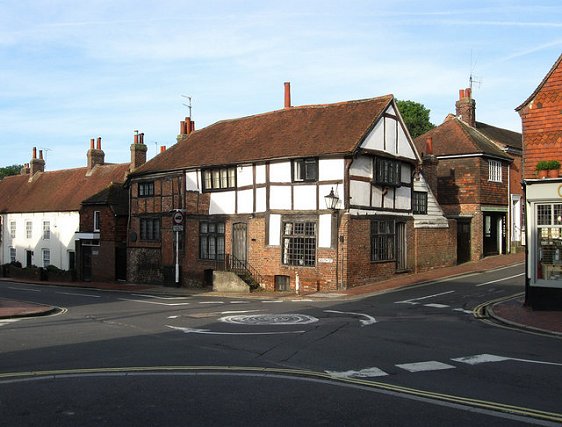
column 138, row 151
column 25, row 169
column 429, row 166
column 186, row 127
column 36, row 164
column 466, row 107
column 287, row 94
column 95, row 156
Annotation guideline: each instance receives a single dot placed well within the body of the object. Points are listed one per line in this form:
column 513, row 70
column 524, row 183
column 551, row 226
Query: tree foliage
column 416, row 117
column 10, row 170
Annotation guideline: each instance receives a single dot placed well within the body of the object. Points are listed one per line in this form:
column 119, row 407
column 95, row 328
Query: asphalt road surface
column 416, row 356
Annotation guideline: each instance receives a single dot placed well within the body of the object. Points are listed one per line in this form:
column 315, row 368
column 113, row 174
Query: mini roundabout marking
column 255, row 320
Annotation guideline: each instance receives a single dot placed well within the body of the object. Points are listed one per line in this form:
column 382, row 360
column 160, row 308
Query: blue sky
column 71, row 71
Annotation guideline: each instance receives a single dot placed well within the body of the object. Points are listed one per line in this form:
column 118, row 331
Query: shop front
column 543, row 288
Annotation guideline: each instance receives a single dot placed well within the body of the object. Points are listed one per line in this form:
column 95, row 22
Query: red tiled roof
column 454, row 137
column 305, row 131
column 57, row 191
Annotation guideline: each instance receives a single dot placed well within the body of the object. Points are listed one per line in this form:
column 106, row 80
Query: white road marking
column 173, row 317
column 437, row 305
column 239, row 302
column 238, row 311
column 25, row 289
column 480, row 358
column 271, row 301
column 209, row 332
column 303, row 300
column 431, row 365
column 170, row 304
column 414, row 300
column 7, row 321
column 485, row 358
column 158, row 296
column 211, row 302
column 78, row 294
column 364, row 322
column 500, row 280
column 363, row 373
column 462, row 310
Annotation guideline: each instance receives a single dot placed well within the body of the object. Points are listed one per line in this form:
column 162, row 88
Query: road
column 416, row 356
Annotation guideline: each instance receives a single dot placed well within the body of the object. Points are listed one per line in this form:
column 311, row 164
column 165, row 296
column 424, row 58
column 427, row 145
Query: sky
column 71, row 71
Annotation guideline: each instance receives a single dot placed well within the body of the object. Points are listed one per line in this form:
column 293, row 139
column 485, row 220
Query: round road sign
column 178, row 218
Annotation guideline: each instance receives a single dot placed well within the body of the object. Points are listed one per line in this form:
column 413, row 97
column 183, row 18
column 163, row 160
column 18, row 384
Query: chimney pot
column 192, row 125
column 183, row 127
column 287, row 94
column 141, row 138
column 40, row 154
column 136, row 137
column 162, row 148
column 98, row 147
column 34, row 152
column 468, row 92
column 92, row 141
column 461, row 93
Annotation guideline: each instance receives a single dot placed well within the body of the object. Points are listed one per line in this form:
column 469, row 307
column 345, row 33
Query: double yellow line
column 8, row 377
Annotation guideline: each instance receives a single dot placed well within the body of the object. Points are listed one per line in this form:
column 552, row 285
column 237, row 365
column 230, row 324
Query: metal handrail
column 235, row 265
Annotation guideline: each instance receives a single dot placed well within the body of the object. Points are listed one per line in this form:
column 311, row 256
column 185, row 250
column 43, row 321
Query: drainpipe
column 297, row 283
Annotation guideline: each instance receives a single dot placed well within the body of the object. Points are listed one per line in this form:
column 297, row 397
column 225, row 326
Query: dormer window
column 387, row 172
column 305, row 170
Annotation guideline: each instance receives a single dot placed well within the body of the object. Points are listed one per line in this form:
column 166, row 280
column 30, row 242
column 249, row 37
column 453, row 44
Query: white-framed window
column 46, row 230
column 13, row 229
column 28, row 229
column 46, row 257
column 305, row 170
column 494, row 171
column 13, row 254
column 97, row 220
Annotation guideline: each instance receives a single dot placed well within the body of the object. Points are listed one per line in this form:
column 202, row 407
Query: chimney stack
column 95, row 156
column 466, row 107
column 138, row 151
column 162, row 148
column 25, row 169
column 287, row 94
column 429, row 166
column 36, row 164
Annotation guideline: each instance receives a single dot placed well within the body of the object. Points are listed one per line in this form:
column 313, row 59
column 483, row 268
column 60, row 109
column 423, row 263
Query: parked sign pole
column 177, row 219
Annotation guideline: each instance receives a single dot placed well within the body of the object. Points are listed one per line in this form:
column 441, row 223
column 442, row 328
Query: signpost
column 177, row 227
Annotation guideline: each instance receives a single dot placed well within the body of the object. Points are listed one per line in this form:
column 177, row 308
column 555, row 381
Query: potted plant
column 542, row 168
column 553, row 168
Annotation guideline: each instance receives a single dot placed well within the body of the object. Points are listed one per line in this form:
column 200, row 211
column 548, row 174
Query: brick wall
column 443, row 244
column 458, row 180
column 542, row 124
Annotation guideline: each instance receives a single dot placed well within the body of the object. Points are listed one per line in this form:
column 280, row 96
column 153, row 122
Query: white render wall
column 283, row 193
column 63, row 226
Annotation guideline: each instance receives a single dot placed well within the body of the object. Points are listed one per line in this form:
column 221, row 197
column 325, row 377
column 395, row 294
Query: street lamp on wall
column 331, row 200
column 331, row 203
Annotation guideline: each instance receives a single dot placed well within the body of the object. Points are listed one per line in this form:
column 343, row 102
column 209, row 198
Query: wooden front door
column 239, row 243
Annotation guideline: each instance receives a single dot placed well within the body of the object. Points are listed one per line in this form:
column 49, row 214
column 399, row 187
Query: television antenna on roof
column 46, row 150
column 188, row 105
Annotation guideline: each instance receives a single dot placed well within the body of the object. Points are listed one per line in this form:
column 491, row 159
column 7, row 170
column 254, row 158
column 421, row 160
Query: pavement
column 509, row 311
